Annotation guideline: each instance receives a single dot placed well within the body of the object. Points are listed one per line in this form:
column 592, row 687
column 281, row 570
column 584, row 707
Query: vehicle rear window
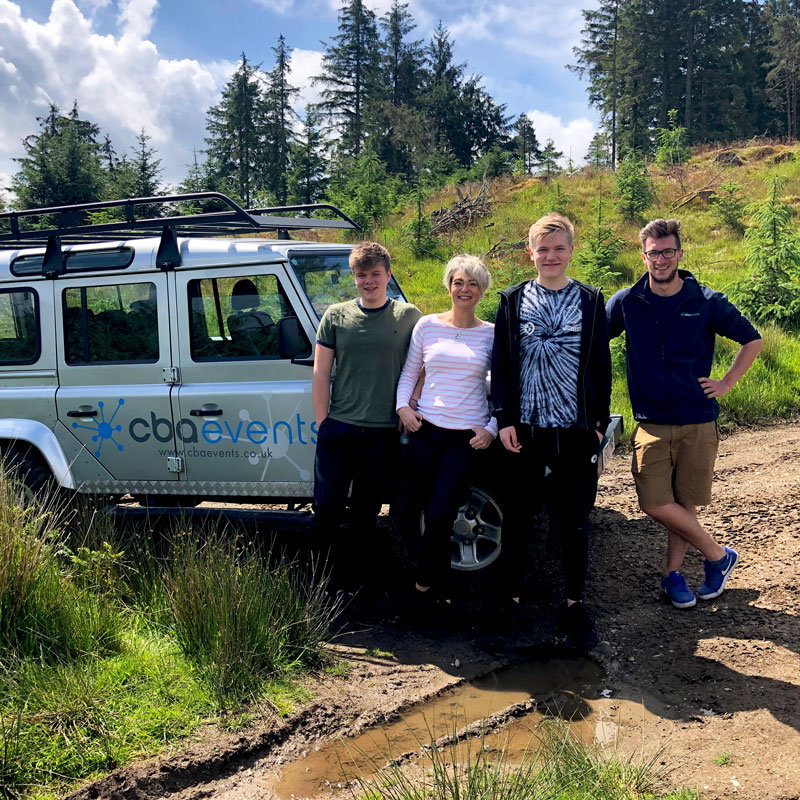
column 81, row 261
column 111, row 324
column 20, row 341
column 326, row 279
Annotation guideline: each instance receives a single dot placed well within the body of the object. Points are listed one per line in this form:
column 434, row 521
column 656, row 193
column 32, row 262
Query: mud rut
column 723, row 677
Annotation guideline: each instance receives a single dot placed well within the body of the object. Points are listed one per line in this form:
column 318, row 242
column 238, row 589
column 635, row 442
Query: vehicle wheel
column 477, row 532
column 30, row 470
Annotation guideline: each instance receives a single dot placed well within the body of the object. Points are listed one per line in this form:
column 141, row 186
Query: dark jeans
column 442, row 461
column 364, row 457
column 569, row 490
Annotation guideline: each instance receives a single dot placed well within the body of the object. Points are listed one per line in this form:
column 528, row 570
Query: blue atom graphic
column 103, row 429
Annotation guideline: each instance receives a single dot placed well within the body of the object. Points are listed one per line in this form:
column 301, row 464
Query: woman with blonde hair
column 450, row 419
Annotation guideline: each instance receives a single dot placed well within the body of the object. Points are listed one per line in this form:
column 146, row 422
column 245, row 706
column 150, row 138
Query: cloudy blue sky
column 160, row 65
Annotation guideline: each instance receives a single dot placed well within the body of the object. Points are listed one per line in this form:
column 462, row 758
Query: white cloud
column 278, row 6
column 120, row 81
column 572, row 138
column 304, row 65
column 5, row 183
column 538, row 30
column 136, row 17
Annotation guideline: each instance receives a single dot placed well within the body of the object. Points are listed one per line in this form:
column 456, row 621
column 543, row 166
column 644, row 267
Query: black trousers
column 364, row 458
column 559, row 466
column 442, row 461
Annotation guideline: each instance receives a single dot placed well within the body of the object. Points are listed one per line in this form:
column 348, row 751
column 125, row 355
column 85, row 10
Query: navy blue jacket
column 594, row 366
column 664, row 363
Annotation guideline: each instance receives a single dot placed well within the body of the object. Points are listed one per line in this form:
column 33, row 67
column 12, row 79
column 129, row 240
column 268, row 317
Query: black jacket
column 665, row 361
column 594, row 370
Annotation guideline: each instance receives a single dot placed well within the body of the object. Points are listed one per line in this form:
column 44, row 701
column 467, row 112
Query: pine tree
column 196, row 180
column 548, row 160
column 146, row 171
column 350, row 77
column 235, row 128
column 526, row 145
column 443, row 92
column 597, row 62
column 401, row 128
column 598, row 256
column 633, row 187
column 402, row 59
column 307, row 179
column 279, row 119
column 784, row 51
column 641, row 58
column 61, row 165
column 672, row 150
column 363, row 189
column 772, row 292
column 146, row 167
column 484, row 125
column 599, row 152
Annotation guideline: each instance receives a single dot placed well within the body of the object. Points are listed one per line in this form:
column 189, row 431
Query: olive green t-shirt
column 370, row 346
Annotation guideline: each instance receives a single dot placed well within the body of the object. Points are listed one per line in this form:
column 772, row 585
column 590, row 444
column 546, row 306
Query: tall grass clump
column 771, row 388
column 241, row 614
column 44, row 613
column 554, row 766
column 64, row 722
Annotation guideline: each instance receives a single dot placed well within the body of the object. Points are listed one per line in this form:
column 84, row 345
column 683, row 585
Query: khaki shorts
column 674, row 463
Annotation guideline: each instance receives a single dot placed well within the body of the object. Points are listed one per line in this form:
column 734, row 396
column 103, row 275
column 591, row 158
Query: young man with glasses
column 670, row 323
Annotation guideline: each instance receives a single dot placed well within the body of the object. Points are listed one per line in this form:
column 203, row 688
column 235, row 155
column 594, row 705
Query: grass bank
column 714, row 252
column 111, row 649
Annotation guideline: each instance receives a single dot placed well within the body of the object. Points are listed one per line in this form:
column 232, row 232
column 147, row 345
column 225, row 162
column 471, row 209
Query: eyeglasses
column 667, row 252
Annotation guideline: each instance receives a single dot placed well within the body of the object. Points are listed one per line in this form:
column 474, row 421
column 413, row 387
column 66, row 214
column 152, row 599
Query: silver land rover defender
column 163, row 358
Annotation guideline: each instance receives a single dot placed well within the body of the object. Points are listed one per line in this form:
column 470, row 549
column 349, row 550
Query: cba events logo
column 104, row 430
column 247, row 431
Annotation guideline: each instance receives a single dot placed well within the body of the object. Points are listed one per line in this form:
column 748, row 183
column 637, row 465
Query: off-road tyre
column 27, row 466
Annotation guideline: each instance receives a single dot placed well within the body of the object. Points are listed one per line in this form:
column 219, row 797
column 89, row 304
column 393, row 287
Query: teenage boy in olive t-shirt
column 357, row 435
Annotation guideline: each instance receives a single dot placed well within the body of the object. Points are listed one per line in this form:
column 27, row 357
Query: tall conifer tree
column 235, row 129
column 61, row 164
column 350, row 73
column 279, row 119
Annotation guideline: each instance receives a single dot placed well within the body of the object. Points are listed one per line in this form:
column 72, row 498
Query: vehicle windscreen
column 326, row 279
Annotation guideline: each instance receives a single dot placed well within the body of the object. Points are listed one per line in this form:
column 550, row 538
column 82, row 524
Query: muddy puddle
column 558, row 687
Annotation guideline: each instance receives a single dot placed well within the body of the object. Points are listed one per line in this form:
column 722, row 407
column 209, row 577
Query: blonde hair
column 548, row 225
column 472, row 266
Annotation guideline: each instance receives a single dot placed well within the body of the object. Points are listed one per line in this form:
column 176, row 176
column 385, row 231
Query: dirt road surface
column 716, row 688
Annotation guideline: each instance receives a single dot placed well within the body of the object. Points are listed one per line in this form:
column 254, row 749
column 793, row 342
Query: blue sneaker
column 717, row 574
column 675, row 587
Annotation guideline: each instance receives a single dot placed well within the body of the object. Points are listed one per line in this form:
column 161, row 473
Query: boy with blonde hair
column 551, row 390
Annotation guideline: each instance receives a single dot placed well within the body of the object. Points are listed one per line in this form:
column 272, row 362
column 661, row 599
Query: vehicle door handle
column 205, row 412
column 79, row 413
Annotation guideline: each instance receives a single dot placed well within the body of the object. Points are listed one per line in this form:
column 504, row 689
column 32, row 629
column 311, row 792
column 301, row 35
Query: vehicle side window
column 20, row 341
column 107, row 324
column 243, row 318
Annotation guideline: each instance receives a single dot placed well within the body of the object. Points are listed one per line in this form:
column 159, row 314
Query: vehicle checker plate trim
column 212, row 488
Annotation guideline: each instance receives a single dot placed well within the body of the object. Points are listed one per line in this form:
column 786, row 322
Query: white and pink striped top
column 456, row 362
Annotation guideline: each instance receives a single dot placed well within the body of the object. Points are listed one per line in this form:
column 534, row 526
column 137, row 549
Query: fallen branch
column 463, row 212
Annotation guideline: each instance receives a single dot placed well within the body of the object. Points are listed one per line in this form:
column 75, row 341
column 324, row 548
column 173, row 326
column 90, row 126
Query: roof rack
column 236, row 220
